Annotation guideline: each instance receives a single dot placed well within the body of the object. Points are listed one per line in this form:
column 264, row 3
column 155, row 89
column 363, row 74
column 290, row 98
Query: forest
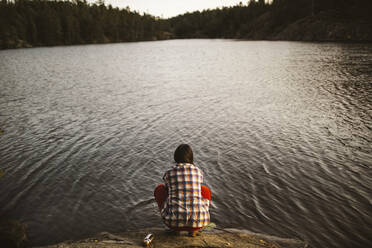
column 29, row 23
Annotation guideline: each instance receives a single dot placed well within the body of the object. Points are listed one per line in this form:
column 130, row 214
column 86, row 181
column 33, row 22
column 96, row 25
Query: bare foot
column 194, row 233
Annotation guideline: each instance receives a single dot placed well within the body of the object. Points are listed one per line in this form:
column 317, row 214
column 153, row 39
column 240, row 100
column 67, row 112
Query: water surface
column 282, row 131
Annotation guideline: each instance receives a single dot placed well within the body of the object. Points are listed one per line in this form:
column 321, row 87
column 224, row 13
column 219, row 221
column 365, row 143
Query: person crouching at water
column 183, row 201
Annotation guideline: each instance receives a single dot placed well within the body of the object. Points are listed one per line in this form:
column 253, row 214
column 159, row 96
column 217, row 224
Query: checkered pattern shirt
column 185, row 207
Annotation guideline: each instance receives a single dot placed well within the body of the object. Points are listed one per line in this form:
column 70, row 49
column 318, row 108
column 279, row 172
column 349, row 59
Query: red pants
column 161, row 194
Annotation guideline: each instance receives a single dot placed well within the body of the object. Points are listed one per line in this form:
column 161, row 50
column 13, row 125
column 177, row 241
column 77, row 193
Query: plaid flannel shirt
column 185, row 207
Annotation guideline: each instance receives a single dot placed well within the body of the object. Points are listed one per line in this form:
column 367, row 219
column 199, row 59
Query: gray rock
column 216, row 238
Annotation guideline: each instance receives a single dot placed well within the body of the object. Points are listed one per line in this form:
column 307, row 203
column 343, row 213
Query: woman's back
column 185, row 206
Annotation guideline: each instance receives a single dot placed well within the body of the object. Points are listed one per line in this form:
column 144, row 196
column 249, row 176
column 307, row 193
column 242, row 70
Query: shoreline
column 214, row 237
column 26, row 46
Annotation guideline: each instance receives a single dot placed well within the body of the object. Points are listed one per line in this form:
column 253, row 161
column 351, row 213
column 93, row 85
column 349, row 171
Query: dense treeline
column 41, row 22
column 260, row 19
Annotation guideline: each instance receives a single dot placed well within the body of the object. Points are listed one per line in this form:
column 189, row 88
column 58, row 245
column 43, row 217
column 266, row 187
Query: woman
column 183, row 201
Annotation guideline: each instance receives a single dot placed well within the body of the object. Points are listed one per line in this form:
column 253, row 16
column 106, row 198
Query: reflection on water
column 282, row 131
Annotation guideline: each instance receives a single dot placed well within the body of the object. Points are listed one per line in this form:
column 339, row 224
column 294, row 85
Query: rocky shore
column 327, row 27
column 216, row 238
column 322, row 27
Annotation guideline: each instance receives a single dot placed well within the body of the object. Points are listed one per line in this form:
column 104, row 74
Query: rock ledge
column 215, row 238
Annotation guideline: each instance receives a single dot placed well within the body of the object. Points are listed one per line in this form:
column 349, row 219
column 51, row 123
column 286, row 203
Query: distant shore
column 25, row 24
column 308, row 37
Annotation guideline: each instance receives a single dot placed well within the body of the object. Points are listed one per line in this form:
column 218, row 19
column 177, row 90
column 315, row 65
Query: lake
column 281, row 130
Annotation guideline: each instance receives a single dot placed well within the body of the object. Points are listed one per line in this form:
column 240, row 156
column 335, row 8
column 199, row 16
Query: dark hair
column 183, row 154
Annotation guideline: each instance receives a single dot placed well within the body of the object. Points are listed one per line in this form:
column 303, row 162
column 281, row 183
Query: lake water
column 282, row 131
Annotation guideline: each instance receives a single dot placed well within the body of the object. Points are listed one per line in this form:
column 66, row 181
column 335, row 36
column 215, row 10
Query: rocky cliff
column 324, row 26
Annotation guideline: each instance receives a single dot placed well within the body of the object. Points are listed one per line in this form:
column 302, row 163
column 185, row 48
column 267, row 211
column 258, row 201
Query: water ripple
column 281, row 130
